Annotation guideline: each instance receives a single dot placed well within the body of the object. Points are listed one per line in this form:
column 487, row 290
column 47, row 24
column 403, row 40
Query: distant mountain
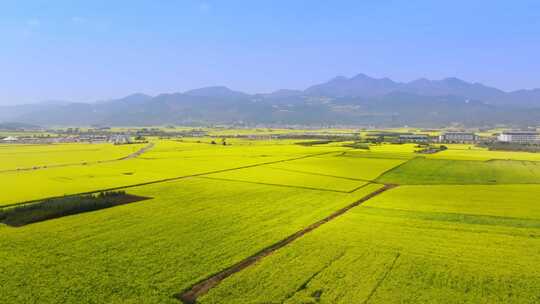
column 55, row 102
column 284, row 93
column 358, row 86
column 135, row 98
column 359, row 100
column 364, row 86
column 451, row 86
column 526, row 98
column 216, row 91
column 15, row 126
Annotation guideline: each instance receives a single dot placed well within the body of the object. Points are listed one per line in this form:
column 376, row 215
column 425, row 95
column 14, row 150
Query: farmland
column 443, row 171
column 403, row 253
column 13, row 157
column 459, row 226
column 191, row 229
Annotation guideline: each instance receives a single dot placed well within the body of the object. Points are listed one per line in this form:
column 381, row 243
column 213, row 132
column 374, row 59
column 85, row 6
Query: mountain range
column 359, row 100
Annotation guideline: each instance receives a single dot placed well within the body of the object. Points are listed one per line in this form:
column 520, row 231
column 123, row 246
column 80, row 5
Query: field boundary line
column 379, row 282
column 471, row 184
column 461, row 218
column 306, row 283
column 396, row 167
column 364, row 185
column 190, row 295
column 165, row 180
column 275, row 185
column 138, row 152
column 322, row 174
column 130, row 156
column 394, row 156
column 510, row 160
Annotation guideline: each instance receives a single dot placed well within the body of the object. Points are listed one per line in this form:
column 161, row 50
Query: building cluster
column 116, row 139
column 446, row 137
column 302, row 135
column 458, row 137
column 415, row 138
column 520, row 137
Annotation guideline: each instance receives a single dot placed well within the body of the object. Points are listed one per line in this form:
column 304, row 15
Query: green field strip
column 190, row 295
column 461, row 218
column 523, row 161
column 367, row 184
column 275, row 185
column 45, row 145
column 426, row 171
column 84, row 163
column 321, row 174
column 166, row 179
column 10, row 146
column 378, row 155
column 285, row 185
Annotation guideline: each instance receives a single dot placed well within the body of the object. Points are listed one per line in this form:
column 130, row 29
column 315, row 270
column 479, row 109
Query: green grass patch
column 514, row 201
column 441, row 171
column 461, row 218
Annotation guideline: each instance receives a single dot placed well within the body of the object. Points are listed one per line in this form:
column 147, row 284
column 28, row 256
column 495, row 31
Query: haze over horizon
column 102, row 50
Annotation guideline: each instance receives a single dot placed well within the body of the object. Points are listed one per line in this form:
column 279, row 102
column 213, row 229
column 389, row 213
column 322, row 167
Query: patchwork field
column 167, row 160
column 271, row 221
column 150, row 250
column 390, row 251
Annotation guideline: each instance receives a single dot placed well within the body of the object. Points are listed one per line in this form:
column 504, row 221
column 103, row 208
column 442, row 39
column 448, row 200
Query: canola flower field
column 458, row 226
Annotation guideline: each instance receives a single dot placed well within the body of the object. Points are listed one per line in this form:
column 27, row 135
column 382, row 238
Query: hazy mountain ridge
column 357, row 100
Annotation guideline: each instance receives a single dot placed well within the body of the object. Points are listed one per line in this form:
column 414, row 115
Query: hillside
column 359, row 100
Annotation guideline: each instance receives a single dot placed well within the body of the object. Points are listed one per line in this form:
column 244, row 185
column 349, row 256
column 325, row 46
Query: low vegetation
column 63, row 206
column 430, row 149
column 358, row 145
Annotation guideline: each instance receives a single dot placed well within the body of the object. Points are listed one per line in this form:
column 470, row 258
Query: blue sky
column 92, row 50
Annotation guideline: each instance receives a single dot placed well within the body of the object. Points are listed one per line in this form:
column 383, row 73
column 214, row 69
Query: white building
column 10, row 139
column 522, row 137
column 458, row 137
column 121, row 139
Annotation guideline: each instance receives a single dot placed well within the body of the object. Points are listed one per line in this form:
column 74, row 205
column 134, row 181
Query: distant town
column 529, row 137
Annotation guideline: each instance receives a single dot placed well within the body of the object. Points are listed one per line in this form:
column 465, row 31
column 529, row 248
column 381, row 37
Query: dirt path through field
column 190, row 295
column 138, row 152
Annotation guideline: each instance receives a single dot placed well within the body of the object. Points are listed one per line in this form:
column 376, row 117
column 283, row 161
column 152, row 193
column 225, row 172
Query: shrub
column 63, row 206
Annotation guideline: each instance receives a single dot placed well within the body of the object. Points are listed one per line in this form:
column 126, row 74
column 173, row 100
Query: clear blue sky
column 89, row 50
